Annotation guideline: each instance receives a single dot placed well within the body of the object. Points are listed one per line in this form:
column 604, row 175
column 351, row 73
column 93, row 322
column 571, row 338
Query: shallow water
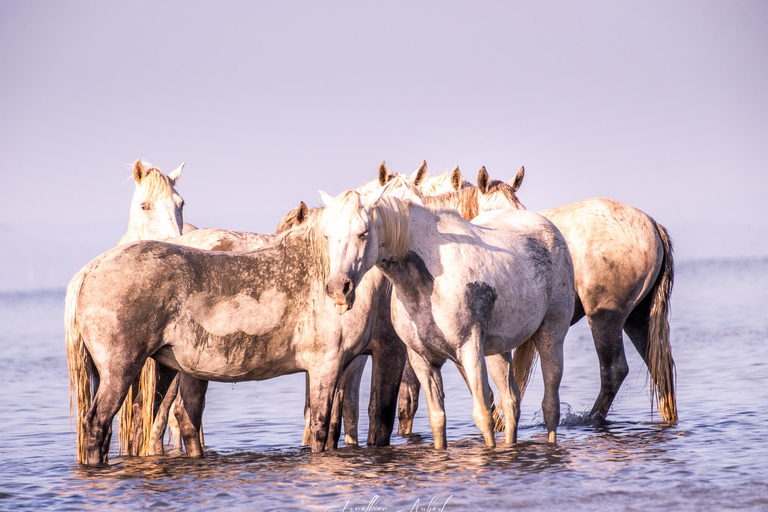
column 713, row 459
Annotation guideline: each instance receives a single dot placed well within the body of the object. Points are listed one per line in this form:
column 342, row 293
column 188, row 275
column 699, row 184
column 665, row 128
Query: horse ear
column 383, row 174
column 482, row 180
column 326, row 197
column 301, row 214
column 138, row 171
column 176, row 174
column 517, row 180
column 419, row 174
column 456, row 178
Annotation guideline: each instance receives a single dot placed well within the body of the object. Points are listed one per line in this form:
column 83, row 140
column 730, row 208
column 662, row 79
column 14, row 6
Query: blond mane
column 396, row 231
column 464, row 200
column 156, row 184
column 402, row 182
column 311, row 231
column 393, row 212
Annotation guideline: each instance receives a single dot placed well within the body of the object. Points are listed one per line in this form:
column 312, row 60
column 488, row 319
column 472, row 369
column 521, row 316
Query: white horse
column 156, row 207
column 425, row 183
column 226, row 316
column 624, row 272
column 462, row 291
column 146, row 438
column 156, row 213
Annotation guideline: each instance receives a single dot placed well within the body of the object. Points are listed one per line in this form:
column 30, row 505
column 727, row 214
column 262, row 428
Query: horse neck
column 305, row 245
column 133, row 234
column 409, row 268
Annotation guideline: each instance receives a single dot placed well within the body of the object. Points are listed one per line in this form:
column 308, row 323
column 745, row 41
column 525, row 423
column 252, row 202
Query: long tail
column 523, row 361
column 660, row 363
column 78, row 361
column 137, row 441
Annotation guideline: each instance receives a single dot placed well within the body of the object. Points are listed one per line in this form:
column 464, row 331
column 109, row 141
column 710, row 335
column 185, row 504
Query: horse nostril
column 347, row 286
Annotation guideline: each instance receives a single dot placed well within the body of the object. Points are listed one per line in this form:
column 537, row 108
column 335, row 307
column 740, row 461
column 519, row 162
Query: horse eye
column 363, row 235
column 145, row 206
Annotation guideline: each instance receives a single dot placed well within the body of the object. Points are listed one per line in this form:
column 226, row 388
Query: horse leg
column 491, row 399
column 98, row 421
column 174, row 431
column 165, row 378
column 606, row 331
column 431, row 380
column 549, row 343
column 190, row 414
column 638, row 328
column 471, row 358
column 388, row 361
column 500, row 368
column 409, row 400
column 305, row 440
column 162, row 418
column 350, row 384
column 334, row 426
column 323, row 383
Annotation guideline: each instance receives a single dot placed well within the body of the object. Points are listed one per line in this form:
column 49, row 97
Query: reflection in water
column 468, row 470
column 398, row 473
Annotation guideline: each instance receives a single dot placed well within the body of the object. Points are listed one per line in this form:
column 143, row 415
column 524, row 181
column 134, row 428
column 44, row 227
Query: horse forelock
column 156, row 185
column 347, row 203
column 400, row 181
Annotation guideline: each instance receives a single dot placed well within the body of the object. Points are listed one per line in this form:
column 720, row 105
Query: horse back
column 220, row 312
column 616, row 251
column 223, row 240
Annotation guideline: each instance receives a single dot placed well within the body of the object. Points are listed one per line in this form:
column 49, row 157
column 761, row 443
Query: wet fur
column 142, row 295
column 431, row 314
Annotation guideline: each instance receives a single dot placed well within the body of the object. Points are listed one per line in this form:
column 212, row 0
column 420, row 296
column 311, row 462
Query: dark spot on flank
column 480, row 298
column 539, row 256
column 224, row 245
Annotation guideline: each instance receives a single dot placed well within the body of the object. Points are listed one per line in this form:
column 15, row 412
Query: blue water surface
column 714, row 458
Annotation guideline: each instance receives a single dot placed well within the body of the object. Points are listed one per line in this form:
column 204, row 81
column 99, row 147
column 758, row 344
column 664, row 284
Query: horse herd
column 412, row 270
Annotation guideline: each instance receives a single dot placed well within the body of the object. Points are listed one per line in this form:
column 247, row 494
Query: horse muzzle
column 342, row 292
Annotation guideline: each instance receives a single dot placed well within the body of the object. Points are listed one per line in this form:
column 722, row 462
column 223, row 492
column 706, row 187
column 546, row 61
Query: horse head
column 495, row 194
column 397, row 184
column 293, row 218
column 156, row 207
column 434, row 185
column 352, row 229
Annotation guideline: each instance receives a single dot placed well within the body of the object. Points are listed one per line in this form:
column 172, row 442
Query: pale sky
column 662, row 105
